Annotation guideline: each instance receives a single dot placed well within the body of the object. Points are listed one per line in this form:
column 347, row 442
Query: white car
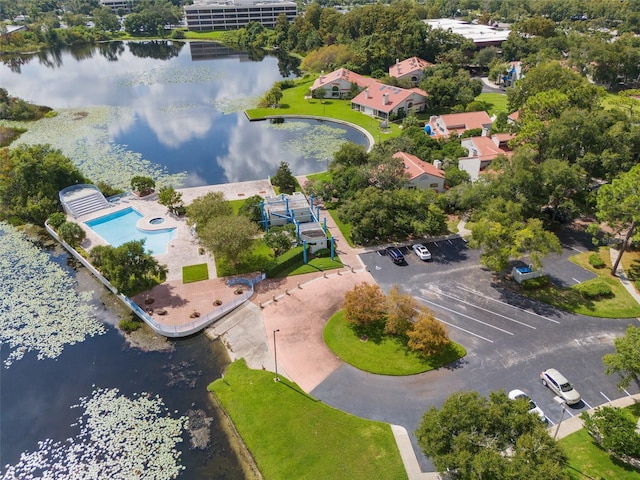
column 422, row 252
column 533, row 408
column 553, row 379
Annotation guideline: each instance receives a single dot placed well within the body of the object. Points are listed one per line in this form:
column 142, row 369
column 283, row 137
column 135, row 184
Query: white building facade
column 205, row 15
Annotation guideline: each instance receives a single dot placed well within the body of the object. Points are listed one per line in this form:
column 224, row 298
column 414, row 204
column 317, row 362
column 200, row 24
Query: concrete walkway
column 626, row 283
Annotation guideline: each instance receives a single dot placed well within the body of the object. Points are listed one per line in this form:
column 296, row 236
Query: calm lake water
column 36, row 396
column 183, row 104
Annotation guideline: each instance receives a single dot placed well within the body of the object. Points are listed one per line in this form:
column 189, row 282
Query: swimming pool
column 120, row 227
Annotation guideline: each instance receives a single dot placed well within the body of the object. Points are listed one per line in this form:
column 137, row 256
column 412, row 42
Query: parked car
column 395, row 255
column 553, row 379
column 422, row 252
column 533, row 408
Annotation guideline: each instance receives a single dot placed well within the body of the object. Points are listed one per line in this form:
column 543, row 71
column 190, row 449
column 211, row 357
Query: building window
column 433, row 185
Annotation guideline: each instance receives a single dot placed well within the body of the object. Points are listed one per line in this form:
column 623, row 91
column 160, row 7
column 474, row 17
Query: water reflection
column 179, row 109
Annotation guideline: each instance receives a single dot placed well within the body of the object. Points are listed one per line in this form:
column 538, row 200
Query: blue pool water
column 120, row 227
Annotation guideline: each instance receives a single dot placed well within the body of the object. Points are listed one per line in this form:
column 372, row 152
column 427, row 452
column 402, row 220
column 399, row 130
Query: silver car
column 422, row 252
column 533, row 408
column 553, row 379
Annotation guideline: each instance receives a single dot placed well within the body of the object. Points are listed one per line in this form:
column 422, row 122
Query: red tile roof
column 342, row 74
column 466, row 121
column 416, row 167
column 377, row 94
column 410, row 65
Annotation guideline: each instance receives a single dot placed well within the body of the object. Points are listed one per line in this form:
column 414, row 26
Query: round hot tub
column 156, row 221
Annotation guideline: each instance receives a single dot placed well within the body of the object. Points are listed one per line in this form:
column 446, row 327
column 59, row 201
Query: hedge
column 595, row 290
column 596, row 261
column 537, row 282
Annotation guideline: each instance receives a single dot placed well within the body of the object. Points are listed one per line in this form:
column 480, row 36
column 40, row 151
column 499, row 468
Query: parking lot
column 509, row 340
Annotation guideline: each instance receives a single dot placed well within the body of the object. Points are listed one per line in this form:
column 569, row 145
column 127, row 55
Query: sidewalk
column 573, row 424
column 623, row 277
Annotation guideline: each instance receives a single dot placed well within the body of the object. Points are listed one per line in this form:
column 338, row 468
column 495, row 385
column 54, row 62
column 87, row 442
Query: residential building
column 457, row 123
column 514, row 73
column 388, row 102
column 422, row 174
column 234, row 14
column 411, row 68
column 482, row 151
column 337, row 84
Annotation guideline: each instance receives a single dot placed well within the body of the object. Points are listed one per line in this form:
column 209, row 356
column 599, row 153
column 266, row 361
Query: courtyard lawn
column 195, row 273
column 385, row 356
column 255, row 261
column 294, row 103
column 293, row 435
column 587, row 460
column 498, row 102
column 317, row 264
column 620, row 305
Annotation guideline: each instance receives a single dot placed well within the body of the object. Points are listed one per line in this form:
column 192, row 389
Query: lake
column 170, row 110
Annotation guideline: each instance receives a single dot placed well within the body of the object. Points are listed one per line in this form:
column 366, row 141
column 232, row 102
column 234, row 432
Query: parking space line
column 465, row 331
column 436, row 244
column 575, row 279
column 450, row 242
column 608, row 399
column 487, row 310
column 464, row 315
column 550, row 421
column 625, row 391
column 567, row 410
column 507, row 304
column 584, row 401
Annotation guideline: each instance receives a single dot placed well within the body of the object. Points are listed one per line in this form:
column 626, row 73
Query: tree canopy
column 473, row 437
column 32, row 177
column 626, row 360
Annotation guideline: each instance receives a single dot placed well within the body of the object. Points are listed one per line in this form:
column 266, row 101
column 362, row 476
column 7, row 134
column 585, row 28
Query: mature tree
column 142, row 185
column 427, row 335
column 364, row 305
column 564, row 186
column 207, row 207
column 230, row 236
column 401, row 310
column 72, row 233
column 349, row 155
column 105, row 19
column 614, row 429
column 170, row 198
column 474, row 437
column 271, row 99
column 554, row 76
column 503, row 234
column 618, row 204
column 454, row 176
column 31, row 178
column 252, row 209
column 280, row 239
column 128, row 267
column 626, row 361
column 448, row 86
column 284, row 179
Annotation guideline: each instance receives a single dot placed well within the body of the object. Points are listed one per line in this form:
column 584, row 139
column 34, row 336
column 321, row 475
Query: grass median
column 388, row 356
column 618, row 305
column 293, row 435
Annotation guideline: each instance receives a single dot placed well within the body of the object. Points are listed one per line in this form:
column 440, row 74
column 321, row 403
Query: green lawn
column 195, row 273
column 588, row 461
column 293, row 435
column 620, row 305
column 254, row 261
column 317, row 264
column 294, row 103
column 498, row 102
column 387, row 356
column 631, row 266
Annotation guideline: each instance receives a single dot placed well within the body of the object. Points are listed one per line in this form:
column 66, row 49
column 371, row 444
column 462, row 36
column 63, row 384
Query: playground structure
column 284, row 209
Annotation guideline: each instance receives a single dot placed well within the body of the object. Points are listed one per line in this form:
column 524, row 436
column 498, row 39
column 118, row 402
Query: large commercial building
column 117, row 6
column 233, row 14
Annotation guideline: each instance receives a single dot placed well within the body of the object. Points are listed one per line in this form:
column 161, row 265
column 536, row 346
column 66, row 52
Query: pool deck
column 184, row 249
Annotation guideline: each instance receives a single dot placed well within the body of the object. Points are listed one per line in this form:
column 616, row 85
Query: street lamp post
column 275, row 355
column 563, row 404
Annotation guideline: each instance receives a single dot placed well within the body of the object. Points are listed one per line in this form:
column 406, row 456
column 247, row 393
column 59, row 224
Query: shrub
column 533, row 283
column 284, row 84
column 595, row 290
column 596, row 261
column 57, row 219
column 129, row 324
column 143, row 185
